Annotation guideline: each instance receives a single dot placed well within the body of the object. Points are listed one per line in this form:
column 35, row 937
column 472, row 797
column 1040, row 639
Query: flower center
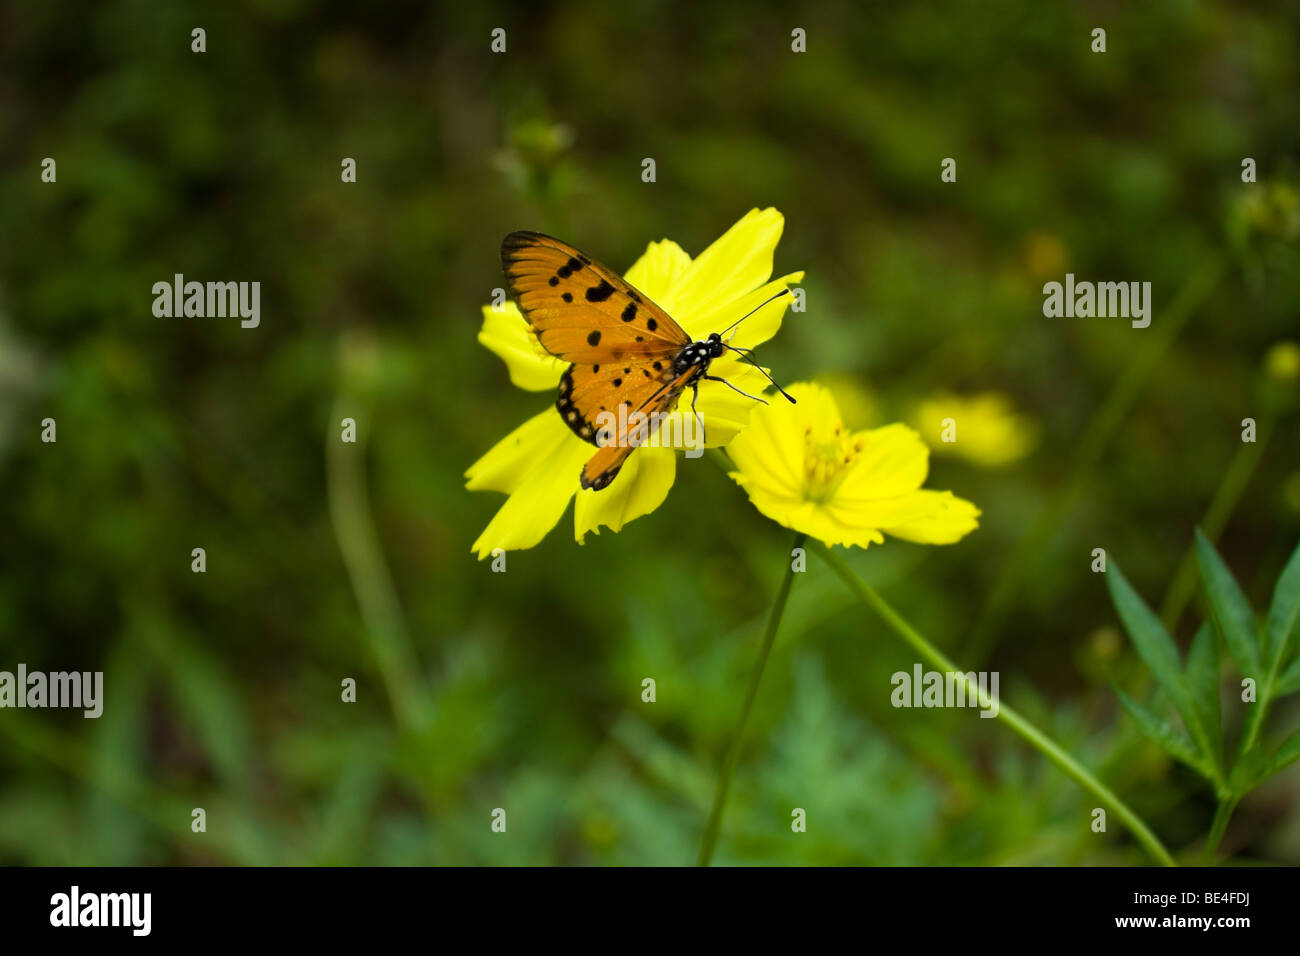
column 827, row 457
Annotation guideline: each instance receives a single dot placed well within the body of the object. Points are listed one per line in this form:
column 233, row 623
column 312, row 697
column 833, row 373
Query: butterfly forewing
column 582, row 311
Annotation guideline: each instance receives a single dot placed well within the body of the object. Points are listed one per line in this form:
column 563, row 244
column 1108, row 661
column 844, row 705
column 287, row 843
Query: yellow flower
column 983, row 429
column 1283, row 362
column 537, row 464
column 803, row 469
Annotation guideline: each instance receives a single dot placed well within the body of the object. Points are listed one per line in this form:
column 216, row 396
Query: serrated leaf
column 1202, row 678
column 1232, row 613
column 1149, row 637
column 1289, row 682
column 1172, row 741
column 1284, row 612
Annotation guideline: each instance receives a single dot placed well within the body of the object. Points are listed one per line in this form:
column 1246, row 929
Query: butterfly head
column 699, row 354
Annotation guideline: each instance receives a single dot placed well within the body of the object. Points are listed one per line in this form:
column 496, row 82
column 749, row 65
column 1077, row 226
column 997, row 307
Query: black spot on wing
column 600, row 481
column 569, row 411
column 594, row 338
column 630, row 312
column 600, row 293
column 651, row 324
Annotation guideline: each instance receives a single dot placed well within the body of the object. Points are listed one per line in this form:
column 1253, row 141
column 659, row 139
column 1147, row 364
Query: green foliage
column 521, row 690
column 1265, row 655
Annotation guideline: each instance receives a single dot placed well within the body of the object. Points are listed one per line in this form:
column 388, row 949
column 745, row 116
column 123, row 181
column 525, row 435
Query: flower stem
column 358, row 541
column 733, row 753
column 1220, row 825
column 1040, row 741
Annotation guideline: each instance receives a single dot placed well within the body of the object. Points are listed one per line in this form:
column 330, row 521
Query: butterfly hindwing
column 582, row 311
column 632, row 430
column 588, row 392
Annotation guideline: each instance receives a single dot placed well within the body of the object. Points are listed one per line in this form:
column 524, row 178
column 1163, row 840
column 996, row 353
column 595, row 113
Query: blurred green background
column 522, row 690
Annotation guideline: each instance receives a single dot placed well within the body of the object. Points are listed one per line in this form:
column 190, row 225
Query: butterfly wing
column 628, row 430
column 582, row 311
column 621, row 345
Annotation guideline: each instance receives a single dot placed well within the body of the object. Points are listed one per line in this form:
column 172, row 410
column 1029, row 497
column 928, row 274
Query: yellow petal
column 816, row 406
column 736, row 263
column 809, row 517
column 943, row 519
column 511, row 460
column 759, row 327
column 893, row 461
column 506, row 333
column 658, row 268
column 640, row 488
column 537, row 464
column 769, row 453
column 527, row 516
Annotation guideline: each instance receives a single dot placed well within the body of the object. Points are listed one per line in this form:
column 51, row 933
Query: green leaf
column 1152, row 641
column 1289, row 682
column 1202, row 678
column 1284, row 612
column 1232, row 613
column 1286, row 754
column 1248, row 771
column 1173, row 741
column 1254, row 768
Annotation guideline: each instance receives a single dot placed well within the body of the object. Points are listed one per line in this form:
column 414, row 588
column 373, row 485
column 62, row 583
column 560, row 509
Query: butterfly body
column 627, row 356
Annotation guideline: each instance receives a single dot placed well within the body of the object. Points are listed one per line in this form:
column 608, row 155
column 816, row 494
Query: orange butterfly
column 630, row 360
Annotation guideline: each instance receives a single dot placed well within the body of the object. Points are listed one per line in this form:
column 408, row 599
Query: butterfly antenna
column 752, row 311
column 743, row 355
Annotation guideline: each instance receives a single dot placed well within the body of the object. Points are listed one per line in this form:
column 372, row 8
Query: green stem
column 733, row 752
column 1020, row 725
column 376, row 596
column 1220, row 825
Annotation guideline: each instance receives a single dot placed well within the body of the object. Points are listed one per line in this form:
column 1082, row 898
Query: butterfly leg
column 695, row 394
column 715, row 378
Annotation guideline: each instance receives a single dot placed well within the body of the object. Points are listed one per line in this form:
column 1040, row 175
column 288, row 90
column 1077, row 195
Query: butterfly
column 629, row 360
